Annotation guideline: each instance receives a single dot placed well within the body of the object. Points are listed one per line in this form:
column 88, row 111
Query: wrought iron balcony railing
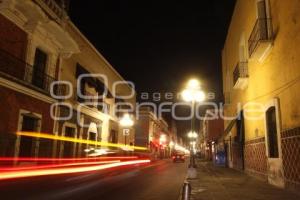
column 53, row 9
column 92, row 103
column 18, row 70
column 240, row 75
column 262, row 31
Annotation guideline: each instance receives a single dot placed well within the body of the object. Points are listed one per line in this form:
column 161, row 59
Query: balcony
column 51, row 7
column 19, row 71
column 240, row 76
column 44, row 16
column 261, row 38
column 92, row 103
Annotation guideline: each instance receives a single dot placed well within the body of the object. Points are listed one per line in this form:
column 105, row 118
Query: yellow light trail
column 57, row 165
column 75, row 140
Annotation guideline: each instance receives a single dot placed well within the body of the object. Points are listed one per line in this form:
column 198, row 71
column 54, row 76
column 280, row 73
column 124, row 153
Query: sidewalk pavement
column 220, row 183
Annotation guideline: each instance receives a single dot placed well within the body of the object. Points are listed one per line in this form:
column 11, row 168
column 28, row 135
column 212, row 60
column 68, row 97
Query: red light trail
column 56, row 171
column 65, row 159
column 57, row 165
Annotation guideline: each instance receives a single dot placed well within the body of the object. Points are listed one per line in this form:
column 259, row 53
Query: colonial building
column 100, row 96
column 261, row 72
column 39, row 46
column 173, row 133
column 153, row 133
column 212, row 128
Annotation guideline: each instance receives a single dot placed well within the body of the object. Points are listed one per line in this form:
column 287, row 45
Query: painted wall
column 276, row 76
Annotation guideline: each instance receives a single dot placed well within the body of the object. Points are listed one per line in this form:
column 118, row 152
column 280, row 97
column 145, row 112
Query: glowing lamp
column 126, row 121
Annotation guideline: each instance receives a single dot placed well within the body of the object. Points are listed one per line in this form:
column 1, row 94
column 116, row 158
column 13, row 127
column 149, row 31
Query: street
column 145, row 100
column 157, row 180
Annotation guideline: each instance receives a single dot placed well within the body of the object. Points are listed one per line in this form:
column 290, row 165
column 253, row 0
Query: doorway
column 68, row 149
column 273, row 144
column 272, row 132
column 27, row 144
column 113, row 136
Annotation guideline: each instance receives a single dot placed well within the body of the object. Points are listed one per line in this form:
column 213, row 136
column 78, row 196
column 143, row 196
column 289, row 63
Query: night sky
column 158, row 45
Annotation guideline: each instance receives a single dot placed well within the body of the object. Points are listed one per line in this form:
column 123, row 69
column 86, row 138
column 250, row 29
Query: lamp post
column 193, row 93
column 193, row 137
column 126, row 122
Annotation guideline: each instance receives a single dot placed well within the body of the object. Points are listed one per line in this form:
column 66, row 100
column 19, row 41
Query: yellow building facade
column 261, row 75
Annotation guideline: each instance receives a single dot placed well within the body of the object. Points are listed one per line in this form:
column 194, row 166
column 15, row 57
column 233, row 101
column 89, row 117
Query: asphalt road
column 161, row 180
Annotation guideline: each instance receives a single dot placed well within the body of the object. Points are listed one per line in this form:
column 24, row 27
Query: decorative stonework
column 255, row 156
column 291, row 156
column 295, row 132
column 255, row 141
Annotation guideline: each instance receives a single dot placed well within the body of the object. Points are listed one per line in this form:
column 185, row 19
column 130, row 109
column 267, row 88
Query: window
column 272, row 132
column 262, row 16
column 89, row 86
column 39, row 68
column 262, row 32
column 27, row 144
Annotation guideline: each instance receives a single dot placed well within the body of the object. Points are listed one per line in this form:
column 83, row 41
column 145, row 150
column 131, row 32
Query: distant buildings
column 40, row 45
column 155, row 133
column 210, row 131
column 260, row 63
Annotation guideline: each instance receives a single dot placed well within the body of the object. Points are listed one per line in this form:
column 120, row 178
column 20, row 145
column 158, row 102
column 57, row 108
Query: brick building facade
column 39, row 46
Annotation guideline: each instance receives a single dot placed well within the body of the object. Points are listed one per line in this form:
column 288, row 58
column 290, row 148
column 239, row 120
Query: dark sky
column 158, row 45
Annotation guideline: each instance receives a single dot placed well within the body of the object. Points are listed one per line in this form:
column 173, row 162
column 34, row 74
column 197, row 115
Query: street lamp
column 193, row 93
column 192, row 135
column 126, row 122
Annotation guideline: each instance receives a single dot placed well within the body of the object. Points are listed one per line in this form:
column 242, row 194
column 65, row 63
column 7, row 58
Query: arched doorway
column 273, row 144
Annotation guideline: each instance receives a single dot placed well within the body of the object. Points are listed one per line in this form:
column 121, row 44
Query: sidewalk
column 219, row 183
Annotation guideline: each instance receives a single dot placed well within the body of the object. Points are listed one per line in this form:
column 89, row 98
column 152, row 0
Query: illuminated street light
column 199, row 96
column 192, row 135
column 193, row 93
column 126, row 121
column 193, row 83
